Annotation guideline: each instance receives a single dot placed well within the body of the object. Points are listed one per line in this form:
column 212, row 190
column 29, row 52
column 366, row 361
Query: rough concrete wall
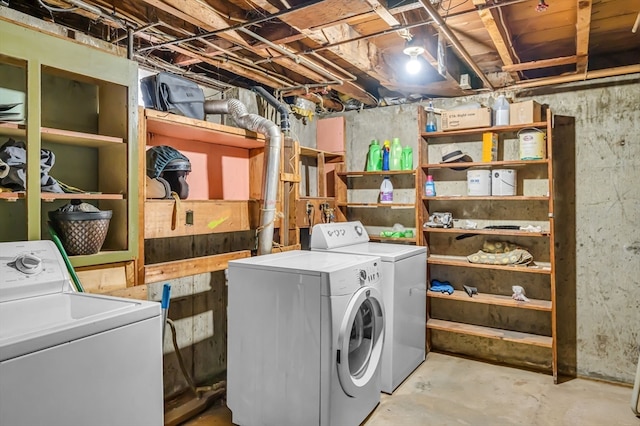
column 607, row 218
column 607, row 158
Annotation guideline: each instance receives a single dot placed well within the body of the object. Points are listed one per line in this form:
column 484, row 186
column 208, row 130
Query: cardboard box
column 489, row 147
column 525, row 112
column 466, row 119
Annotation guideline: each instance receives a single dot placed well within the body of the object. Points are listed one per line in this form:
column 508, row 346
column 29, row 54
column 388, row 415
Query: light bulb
column 413, row 65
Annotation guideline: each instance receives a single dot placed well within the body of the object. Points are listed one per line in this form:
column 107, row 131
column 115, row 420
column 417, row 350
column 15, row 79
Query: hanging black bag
column 168, row 92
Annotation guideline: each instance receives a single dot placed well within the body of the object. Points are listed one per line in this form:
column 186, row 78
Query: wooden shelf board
column 13, row 130
column 435, row 259
column 102, row 257
column 507, row 232
column 493, row 299
column 329, row 157
column 67, row 137
column 491, row 333
column 398, row 239
column 197, row 265
column 379, row 173
column 371, row 205
column 478, row 131
column 51, row 196
column 487, row 198
column 510, row 163
column 12, row 196
column 177, row 126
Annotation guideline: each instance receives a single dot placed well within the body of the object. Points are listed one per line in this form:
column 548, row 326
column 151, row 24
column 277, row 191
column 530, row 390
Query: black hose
column 285, row 125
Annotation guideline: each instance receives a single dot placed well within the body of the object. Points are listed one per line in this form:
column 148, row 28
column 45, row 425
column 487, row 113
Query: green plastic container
column 374, row 157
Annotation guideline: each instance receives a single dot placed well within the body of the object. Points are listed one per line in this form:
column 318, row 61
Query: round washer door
column 360, row 340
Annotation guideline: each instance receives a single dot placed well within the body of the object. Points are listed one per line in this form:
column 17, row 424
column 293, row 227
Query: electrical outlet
column 465, row 82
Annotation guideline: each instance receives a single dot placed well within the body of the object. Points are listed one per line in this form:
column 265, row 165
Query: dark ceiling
column 349, row 53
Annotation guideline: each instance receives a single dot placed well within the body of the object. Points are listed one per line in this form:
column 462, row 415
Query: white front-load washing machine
column 404, row 285
column 73, row 359
column 304, row 338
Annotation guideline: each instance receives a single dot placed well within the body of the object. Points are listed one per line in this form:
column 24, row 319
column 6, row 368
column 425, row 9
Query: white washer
column 404, row 284
column 305, row 334
column 70, row 358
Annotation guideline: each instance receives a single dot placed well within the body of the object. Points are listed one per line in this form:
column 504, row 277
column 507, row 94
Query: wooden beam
column 383, row 13
column 583, row 28
column 259, row 76
column 498, row 38
column 199, row 14
column 589, row 75
column 265, row 5
column 194, row 266
column 215, row 22
column 544, row 63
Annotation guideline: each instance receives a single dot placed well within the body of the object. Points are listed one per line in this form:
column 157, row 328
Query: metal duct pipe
column 258, row 124
column 285, row 124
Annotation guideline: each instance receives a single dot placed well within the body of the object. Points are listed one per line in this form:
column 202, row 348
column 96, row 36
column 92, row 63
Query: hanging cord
column 276, row 216
column 176, row 210
column 197, row 390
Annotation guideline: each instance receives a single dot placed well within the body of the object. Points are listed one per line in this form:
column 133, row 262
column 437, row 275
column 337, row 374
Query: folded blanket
column 513, row 257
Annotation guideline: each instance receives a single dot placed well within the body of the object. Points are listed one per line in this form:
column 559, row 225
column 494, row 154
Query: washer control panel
column 31, row 268
column 338, row 234
column 369, row 274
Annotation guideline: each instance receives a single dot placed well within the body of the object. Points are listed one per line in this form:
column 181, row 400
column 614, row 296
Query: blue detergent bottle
column 385, row 155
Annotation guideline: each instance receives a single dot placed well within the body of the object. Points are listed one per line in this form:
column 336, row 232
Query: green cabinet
column 81, row 104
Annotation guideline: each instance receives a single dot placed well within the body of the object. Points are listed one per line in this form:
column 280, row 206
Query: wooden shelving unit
column 314, row 202
column 85, row 113
column 510, row 321
column 351, row 206
column 162, row 220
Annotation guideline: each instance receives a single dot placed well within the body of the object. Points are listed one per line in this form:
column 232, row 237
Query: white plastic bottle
column 386, row 191
column 501, row 112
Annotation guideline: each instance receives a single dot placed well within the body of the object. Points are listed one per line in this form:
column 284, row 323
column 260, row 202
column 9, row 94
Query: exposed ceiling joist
column 209, row 20
column 353, row 47
column 500, row 40
column 198, row 14
column 256, row 74
column 544, row 63
column 455, row 42
column 383, row 13
column 583, row 28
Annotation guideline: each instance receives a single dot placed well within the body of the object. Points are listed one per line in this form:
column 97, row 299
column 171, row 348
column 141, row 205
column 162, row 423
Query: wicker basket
column 81, row 232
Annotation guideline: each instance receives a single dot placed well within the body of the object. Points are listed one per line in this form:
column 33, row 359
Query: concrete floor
column 447, row 390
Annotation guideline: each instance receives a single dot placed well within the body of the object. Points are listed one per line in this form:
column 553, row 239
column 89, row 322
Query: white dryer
column 305, row 335
column 404, row 281
column 73, row 359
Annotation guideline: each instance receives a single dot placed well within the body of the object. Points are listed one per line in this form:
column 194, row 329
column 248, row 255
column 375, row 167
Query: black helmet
column 164, row 159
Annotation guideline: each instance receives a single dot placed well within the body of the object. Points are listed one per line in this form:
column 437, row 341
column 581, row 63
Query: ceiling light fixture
column 413, row 50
